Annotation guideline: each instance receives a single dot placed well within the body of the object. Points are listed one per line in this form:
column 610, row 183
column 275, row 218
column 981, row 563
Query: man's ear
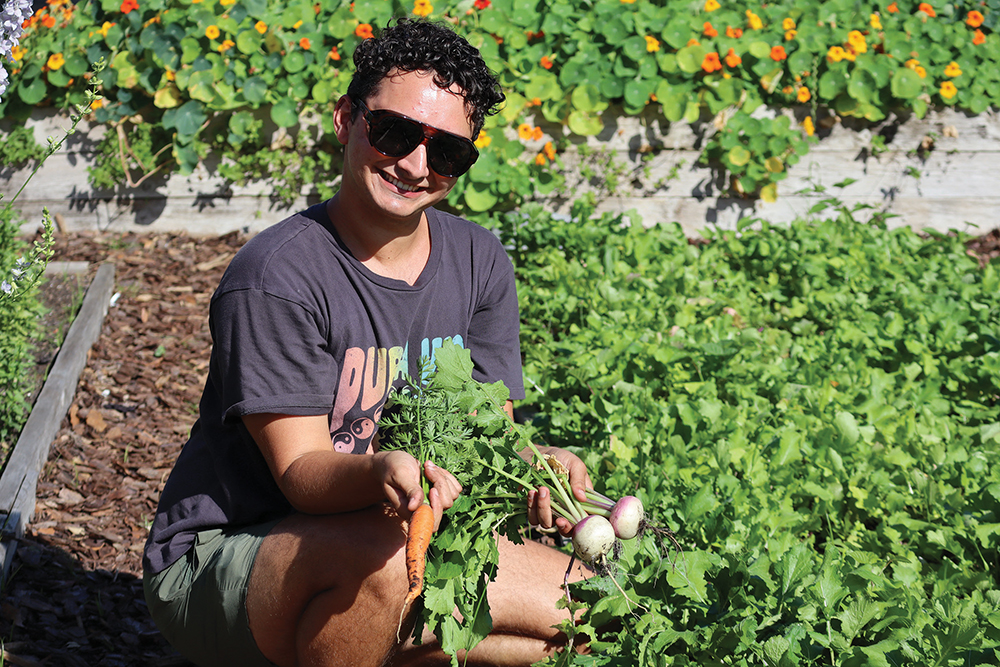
column 342, row 119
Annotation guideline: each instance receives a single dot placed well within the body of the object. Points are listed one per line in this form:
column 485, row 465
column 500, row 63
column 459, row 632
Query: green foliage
column 198, row 70
column 19, row 147
column 814, row 410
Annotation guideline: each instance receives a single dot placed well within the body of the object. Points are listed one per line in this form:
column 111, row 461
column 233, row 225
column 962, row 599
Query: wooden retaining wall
column 938, row 172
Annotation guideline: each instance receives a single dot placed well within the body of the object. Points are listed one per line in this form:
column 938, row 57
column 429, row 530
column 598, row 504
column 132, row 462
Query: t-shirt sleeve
column 494, row 331
column 270, row 355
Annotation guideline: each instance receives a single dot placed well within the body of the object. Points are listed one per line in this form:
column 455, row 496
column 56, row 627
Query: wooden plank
column 20, row 476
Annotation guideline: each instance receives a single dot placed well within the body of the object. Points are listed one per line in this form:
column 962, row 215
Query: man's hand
column 399, row 474
column 540, row 501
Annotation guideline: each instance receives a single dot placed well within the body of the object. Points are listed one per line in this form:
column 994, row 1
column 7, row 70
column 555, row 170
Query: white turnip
column 593, row 539
column 627, row 517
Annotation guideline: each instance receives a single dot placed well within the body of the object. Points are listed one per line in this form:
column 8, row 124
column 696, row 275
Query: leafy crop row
column 190, row 78
column 813, row 409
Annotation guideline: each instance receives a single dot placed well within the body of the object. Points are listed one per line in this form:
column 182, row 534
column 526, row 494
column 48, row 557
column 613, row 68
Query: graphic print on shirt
column 366, row 378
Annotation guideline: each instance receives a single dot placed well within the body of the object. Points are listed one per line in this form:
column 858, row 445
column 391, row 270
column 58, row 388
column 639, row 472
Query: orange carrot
column 418, row 538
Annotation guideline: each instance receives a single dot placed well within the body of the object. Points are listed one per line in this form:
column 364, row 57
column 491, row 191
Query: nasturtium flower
column 298, row 24
column 693, row 42
column 911, row 63
column 170, row 75
column 978, row 37
column 537, row 134
column 524, row 131
column 857, row 41
column 893, row 8
column 212, row 32
column 129, row 5
column 304, row 43
column 948, row 90
column 753, row 21
column 927, row 9
column 546, row 62
column 481, row 4
column 226, row 45
column 652, row 44
column 422, row 7
column 733, row 60
column 953, row 69
column 836, row 54
column 711, row 63
column 334, row 54
column 788, row 24
column 482, row 141
column 540, row 159
column 711, row 5
column 364, row 31
column 49, row 21
column 790, row 35
column 921, row 72
column 628, row 2
column 778, row 53
column 974, row 19
column 875, row 21
column 260, row 27
column 787, row 90
column 803, row 95
column 549, row 150
column 708, row 30
column 18, row 52
column 808, row 126
column 733, row 33
column 55, row 61
column 227, row 3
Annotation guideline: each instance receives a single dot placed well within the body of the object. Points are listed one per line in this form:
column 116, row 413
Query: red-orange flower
column 546, row 62
column 732, row 60
column 304, row 43
column 778, row 53
column 974, row 19
column 893, row 8
column 481, row 4
column 709, row 31
column 733, row 33
column 129, row 5
column 711, row 63
column 334, row 54
column 978, row 38
column 364, row 31
column 49, row 21
column 927, row 9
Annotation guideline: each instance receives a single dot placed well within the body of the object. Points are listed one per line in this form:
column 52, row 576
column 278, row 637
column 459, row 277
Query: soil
column 75, row 595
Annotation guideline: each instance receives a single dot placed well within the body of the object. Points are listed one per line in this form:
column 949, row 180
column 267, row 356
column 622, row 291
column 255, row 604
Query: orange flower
column 540, row 159
column 709, row 31
column 481, row 4
column 537, row 134
column 927, row 9
column 549, row 150
column 948, row 90
column 129, row 5
column 49, row 21
column 260, row 27
column 304, row 44
column 711, row 63
column 693, row 42
column 334, row 54
column 974, row 19
column 212, row 32
column 778, row 53
column 546, row 62
column 733, row 60
column 733, row 33
column 804, row 95
column 364, row 31
column 524, row 131
column 978, row 38
column 892, row 9
column 55, row 61
column 921, row 72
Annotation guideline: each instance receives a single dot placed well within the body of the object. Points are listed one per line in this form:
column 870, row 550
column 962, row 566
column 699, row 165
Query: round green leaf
column 76, row 64
column 738, row 156
column 189, row 118
column 58, row 78
column 585, row 124
column 254, row 90
column 906, row 84
column 689, row 58
column 33, row 93
column 479, row 197
column 248, row 42
column 587, row 98
column 285, row 113
column 294, row 62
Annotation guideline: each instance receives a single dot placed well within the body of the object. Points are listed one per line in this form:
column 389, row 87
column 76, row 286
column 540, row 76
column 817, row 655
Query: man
column 279, row 537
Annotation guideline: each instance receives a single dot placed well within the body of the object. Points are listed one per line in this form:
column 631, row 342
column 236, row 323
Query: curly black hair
column 413, row 45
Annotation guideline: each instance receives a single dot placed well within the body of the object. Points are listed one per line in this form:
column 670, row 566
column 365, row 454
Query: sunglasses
column 395, row 135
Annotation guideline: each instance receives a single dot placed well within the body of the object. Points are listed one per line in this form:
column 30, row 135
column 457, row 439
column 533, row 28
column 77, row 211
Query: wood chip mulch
column 75, row 596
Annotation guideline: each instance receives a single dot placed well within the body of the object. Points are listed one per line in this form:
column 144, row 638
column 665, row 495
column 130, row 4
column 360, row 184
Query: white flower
column 6, row 287
column 12, row 18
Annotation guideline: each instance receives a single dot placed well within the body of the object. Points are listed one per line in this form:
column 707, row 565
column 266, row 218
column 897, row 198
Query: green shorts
column 199, row 602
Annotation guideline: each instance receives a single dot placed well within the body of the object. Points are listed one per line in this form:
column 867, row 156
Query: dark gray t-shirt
column 301, row 327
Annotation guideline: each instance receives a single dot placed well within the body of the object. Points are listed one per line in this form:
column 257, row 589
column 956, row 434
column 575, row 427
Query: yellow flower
column 627, row 2
column 422, row 7
column 212, row 32
column 790, row 35
column 875, row 21
column 754, row 21
column 808, row 126
column 483, row 140
column 921, row 72
column 803, row 95
column 836, row 54
column 788, row 24
column 226, row 3
column 953, row 70
column 857, row 41
column 711, row 5
column 549, row 150
column 18, row 52
column 911, row 63
column 524, row 131
column 170, row 74
column 55, row 61
column 104, row 28
column 948, row 90
column 652, row 44
column 298, row 24
column 260, row 27
column 226, row 45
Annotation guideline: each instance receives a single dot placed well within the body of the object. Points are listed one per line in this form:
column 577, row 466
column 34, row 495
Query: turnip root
column 627, row 517
column 593, row 539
